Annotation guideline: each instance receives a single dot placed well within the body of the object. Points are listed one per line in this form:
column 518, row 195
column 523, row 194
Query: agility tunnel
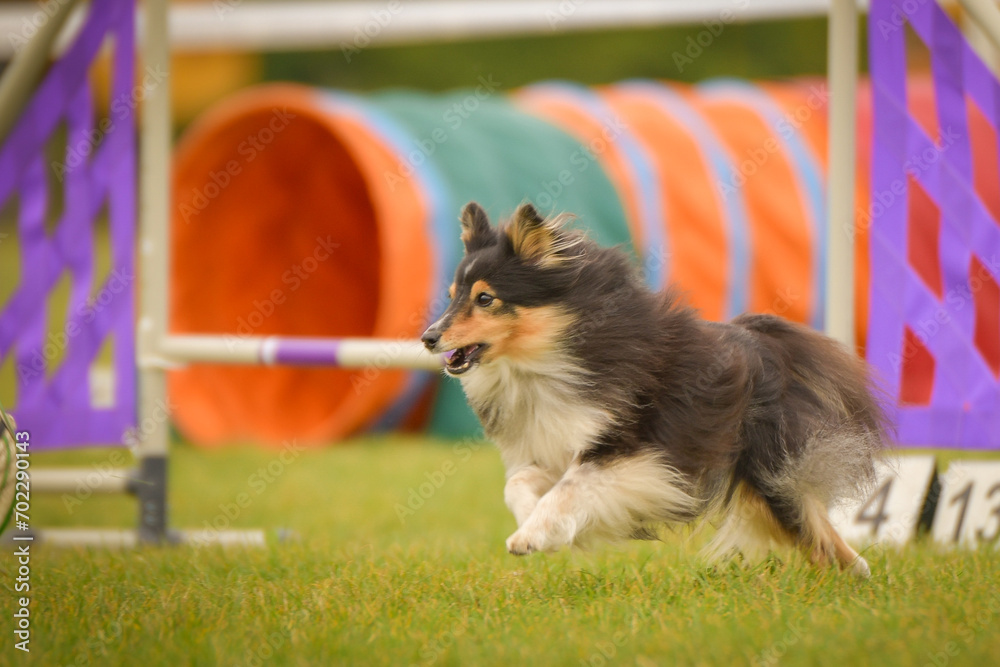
column 308, row 212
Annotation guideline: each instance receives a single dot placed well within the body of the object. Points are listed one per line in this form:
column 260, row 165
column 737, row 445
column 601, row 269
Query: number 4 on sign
column 891, row 512
column 968, row 510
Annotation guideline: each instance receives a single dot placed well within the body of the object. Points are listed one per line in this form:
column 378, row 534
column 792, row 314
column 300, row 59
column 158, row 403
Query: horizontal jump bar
column 297, row 351
column 298, row 24
column 111, row 538
column 68, row 480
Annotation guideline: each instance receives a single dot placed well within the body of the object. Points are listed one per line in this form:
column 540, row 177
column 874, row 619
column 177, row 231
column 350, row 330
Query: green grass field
column 380, row 574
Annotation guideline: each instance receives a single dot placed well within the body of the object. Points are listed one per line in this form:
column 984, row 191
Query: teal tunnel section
column 479, row 147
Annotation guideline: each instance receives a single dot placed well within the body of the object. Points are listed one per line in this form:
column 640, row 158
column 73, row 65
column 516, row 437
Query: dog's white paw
column 541, row 533
column 520, row 544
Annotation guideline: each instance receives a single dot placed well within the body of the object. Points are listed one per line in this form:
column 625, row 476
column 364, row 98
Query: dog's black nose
column 430, row 339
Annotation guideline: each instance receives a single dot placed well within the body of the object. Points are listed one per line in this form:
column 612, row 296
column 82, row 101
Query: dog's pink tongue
column 449, row 355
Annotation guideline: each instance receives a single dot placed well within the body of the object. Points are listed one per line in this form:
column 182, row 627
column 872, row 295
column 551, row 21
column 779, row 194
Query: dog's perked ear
column 537, row 240
column 475, row 226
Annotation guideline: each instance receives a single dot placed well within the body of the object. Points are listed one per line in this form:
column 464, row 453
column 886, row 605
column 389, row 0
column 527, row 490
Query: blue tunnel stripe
column 721, row 164
column 651, row 208
column 806, row 169
column 444, row 246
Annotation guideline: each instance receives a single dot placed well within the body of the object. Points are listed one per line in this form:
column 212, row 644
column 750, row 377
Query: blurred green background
column 755, row 50
column 759, row 50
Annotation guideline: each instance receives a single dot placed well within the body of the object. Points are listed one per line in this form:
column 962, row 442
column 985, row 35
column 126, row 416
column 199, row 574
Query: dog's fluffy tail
column 835, row 422
column 816, row 429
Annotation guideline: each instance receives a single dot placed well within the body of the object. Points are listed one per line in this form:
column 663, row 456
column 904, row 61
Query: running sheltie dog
column 617, row 410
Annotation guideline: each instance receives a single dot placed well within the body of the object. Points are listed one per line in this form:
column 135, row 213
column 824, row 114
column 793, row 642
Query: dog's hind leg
column 604, row 500
column 749, row 527
column 753, row 524
column 824, row 545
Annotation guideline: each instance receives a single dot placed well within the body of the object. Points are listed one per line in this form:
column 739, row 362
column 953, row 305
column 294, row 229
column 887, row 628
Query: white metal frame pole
column 987, row 17
column 23, row 73
column 842, row 75
column 154, row 253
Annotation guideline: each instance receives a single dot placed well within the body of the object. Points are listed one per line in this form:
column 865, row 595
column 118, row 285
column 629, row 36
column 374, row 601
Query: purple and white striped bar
column 301, row 352
column 282, row 350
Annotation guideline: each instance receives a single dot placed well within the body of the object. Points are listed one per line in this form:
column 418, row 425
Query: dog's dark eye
column 484, row 299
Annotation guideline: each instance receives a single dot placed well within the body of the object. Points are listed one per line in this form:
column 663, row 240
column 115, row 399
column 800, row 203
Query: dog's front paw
column 541, row 534
column 520, row 544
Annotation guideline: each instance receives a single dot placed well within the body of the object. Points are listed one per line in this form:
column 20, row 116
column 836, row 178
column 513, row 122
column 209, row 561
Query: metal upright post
column 986, row 16
column 150, row 485
column 23, row 73
column 842, row 74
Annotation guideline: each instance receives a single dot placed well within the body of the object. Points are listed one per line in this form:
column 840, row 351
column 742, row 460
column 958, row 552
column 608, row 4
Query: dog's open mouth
column 461, row 359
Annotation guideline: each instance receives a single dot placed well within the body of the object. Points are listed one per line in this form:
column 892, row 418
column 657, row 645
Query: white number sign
column 968, row 510
column 889, row 515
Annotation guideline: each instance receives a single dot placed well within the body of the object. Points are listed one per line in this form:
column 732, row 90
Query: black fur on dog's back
column 723, row 403
column 809, row 393
column 726, row 403
column 745, row 402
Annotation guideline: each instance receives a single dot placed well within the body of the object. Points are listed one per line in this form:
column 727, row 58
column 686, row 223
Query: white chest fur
column 535, row 415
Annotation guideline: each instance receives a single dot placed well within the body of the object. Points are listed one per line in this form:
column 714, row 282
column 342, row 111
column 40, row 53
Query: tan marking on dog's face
column 471, row 324
column 537, row 331
column 525, row 334
column 481, row 287
column 475, row 325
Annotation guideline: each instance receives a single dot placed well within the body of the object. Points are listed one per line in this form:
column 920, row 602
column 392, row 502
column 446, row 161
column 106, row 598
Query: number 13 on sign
column 968, row 510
